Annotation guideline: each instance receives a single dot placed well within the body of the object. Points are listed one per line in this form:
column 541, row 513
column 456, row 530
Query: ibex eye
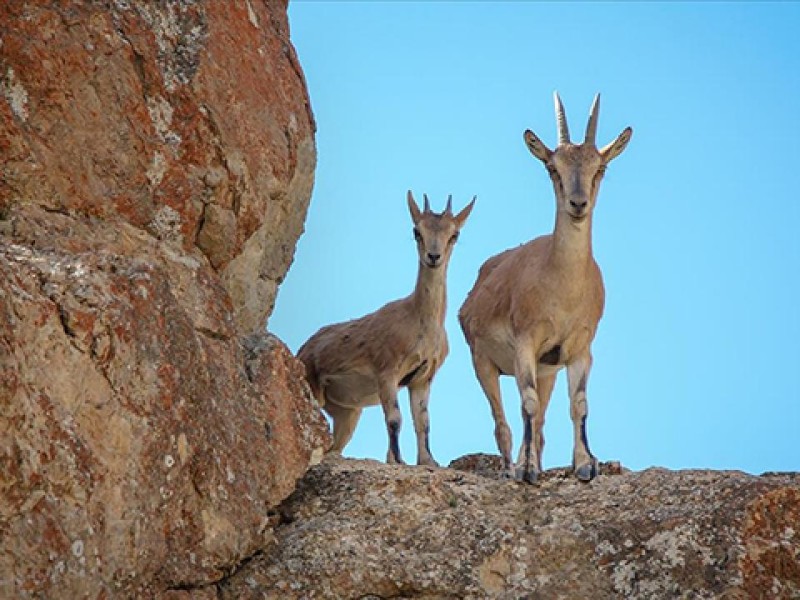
column 453, row 238
column 417, row 234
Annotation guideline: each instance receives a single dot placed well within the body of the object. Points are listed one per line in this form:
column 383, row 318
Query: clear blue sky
column 696, row 227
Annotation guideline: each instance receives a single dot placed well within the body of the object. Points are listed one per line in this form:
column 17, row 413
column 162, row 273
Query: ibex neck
column 430, row 294
column 572, row 242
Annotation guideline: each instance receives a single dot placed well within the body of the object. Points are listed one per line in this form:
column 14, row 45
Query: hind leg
column 345, row 420
column 488, row 376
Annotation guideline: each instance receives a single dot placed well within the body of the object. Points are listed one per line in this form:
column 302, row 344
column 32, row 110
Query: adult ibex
column 535, row 309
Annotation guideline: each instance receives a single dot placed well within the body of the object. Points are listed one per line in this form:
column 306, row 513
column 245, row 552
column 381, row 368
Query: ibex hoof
column 586, row 472
column 529, row 475
column 428, row 462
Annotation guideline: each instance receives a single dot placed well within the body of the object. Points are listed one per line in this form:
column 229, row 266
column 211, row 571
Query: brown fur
column 363, row 362
column 535, row 309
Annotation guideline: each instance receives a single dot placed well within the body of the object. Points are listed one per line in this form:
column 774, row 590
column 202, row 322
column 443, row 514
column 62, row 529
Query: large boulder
column 142, row 441
column 188, row 119
column 361, row 529
column 157, row 161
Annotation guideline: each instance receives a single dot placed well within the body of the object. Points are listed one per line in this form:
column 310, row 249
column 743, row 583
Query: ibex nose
column 434, row 258
column 578, row 206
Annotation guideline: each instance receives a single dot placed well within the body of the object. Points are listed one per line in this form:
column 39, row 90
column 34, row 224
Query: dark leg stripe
column 394, row 439
column 583, row 435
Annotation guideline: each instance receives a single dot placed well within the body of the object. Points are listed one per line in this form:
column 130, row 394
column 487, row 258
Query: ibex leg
column 419, row 395
column 488, row 376
column 345, row 420
column 584, row 463
column 391, row 412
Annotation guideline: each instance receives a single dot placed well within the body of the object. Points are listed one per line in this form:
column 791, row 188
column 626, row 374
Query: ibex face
column 436, row 234
column 576, row 169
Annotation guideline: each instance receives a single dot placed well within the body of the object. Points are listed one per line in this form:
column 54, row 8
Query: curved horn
column 449, row 208
column 591, row 126
column 427, row 205
column 561, row 119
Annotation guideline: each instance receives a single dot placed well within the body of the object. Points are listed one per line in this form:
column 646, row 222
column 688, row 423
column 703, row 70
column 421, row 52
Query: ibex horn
column 449, row 208
column 561, row 119
column 427, row 207
column 591, row 126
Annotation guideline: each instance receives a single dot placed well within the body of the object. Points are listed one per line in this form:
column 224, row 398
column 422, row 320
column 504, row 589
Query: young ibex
column 363, row 362
column 534, row 309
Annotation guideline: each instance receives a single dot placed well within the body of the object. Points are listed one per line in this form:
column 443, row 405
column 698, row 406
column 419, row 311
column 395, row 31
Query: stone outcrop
column 157, row 161
column 188, row 119
column 143, row 443
column 361, row 529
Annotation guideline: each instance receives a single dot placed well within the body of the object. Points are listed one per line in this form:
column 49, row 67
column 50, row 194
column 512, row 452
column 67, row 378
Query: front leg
column 528, row 461
column 419, row 395
column 584, row 463
column 391, row 412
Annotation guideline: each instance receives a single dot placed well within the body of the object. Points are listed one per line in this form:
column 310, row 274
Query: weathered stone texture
column 142, row 444
column 156, row 162
column 187, row 118
column 361, row 529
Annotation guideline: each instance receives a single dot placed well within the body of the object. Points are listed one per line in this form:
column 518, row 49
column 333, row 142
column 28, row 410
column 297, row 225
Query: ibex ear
column 413, row 208
column 537, row 147
column 615, row 148
column 462, row 216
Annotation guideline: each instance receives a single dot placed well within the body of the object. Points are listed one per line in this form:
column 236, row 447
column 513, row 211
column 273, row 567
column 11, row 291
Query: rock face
column 188, row 119
column 360, row 529
column 142, row 442
column 157, row 160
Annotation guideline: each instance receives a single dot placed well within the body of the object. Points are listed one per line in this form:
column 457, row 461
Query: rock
column 491, row 465
column 143, row 444
column 362, row 529
column 157, row 162
column 189, row 119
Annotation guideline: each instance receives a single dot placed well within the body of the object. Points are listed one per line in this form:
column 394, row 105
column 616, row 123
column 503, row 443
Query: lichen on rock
column 357, row 529
column 189, row 119
column 143, row 441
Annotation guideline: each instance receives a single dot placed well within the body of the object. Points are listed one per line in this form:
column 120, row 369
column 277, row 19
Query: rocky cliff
column 186, row 119
column 157, row 162
column 360, row 529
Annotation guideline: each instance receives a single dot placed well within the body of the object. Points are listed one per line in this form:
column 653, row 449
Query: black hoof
column 586, row 472
column 526, row 475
